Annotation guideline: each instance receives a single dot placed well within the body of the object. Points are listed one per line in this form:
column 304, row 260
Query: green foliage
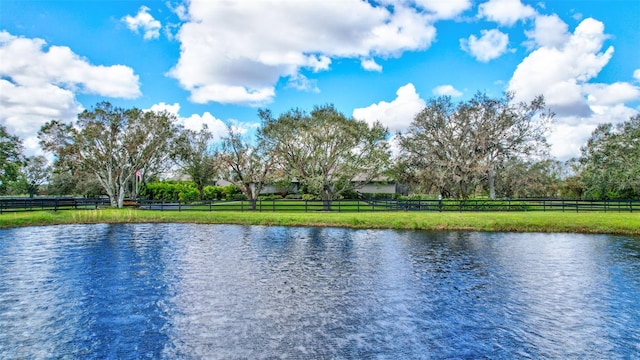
column 11, row 159
column 611, row 162
column 195, row 159
column 324, row 150
column 33, row 174
column 310, row 197
column 113, row 145
column 186, row 191
column 458, row 147
column 417, row 197
column 270, row 197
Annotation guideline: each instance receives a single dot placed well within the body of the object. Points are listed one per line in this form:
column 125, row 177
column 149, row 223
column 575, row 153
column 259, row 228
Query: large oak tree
column 456, row 147
column 114, row 144
column 325, row 151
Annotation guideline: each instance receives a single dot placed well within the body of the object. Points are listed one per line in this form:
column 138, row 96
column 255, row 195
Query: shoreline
column 586, row 223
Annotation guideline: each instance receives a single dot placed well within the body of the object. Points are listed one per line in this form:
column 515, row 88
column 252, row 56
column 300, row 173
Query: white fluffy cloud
column 505, row 12
column 636, row 74
column 39, row 83
column 548, row 31
column 491, row 45
column 196, row 122
column 570, row 133
column 610, row 94
column 370, row 65
column 396, row 115
column 145, row 22
column 445, row 9
column 447, row 90
column 235, row 52
column 562, row 71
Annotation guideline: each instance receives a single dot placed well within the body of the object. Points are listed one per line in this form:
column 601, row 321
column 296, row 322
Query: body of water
column 225, row 291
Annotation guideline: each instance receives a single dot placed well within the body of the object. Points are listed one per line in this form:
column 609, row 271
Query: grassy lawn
column 588, row 222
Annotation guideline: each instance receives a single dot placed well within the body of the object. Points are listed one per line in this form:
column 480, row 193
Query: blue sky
column 217, row 62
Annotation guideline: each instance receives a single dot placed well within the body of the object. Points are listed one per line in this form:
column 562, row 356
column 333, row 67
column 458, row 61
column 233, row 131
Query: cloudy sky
column 217, row 62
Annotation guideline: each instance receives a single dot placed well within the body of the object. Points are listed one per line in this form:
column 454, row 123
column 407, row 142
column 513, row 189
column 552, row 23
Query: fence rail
column 546, row 205
column 52, row 204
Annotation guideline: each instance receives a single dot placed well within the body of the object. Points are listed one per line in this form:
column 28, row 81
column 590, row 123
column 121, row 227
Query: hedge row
column 187, row 191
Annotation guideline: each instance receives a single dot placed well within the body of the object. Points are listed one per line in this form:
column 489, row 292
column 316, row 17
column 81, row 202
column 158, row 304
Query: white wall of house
column 372, row 188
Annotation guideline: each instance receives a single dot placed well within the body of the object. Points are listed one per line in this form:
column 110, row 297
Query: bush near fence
column 186, row 191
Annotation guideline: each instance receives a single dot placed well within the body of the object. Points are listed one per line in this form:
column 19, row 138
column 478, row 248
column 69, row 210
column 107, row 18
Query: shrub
column 310, row 197
column 270, row 197
column 229, row 192
column 212, row 192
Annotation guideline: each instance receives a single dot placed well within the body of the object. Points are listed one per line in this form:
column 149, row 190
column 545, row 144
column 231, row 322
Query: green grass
column 591, row 222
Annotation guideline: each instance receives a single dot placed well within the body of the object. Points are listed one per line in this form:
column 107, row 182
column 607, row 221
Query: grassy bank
column 597, row 222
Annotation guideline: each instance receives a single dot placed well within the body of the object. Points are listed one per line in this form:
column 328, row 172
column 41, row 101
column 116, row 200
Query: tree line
column 484, row 146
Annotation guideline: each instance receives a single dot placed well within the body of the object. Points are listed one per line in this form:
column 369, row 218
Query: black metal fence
column 546, row 205
column 398, row 205
column 52, row 204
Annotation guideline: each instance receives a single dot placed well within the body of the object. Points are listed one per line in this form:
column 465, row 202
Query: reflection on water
column 218, row 291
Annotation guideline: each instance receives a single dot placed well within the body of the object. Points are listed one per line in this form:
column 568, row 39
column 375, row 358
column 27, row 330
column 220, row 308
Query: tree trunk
column 326, row 200
column 121, row 197
column 492, row 185
column 201, row 191
column 251, row 195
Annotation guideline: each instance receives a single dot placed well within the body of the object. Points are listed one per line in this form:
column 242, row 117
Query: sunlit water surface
column 218, row 291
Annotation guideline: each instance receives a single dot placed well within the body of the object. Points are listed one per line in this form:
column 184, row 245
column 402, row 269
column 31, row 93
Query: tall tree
column 437, row 150
column 505, row 130
column 195, row 157
column 113, row 144
column 326, row 151
column 11, row 158
column 34, row 174
column 455, row 148
column 611, row 161
column 249, row 167
column 68, row 176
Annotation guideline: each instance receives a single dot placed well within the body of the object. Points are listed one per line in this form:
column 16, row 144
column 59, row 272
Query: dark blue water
column 216, row 291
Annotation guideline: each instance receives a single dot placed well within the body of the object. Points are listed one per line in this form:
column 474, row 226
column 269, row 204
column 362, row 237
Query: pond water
column 225, row 291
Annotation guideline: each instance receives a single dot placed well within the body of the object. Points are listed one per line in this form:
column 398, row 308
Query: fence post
column 273, row 204
column 306, row 206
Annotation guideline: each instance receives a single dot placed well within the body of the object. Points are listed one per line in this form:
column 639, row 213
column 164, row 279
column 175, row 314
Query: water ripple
column 232, row 292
